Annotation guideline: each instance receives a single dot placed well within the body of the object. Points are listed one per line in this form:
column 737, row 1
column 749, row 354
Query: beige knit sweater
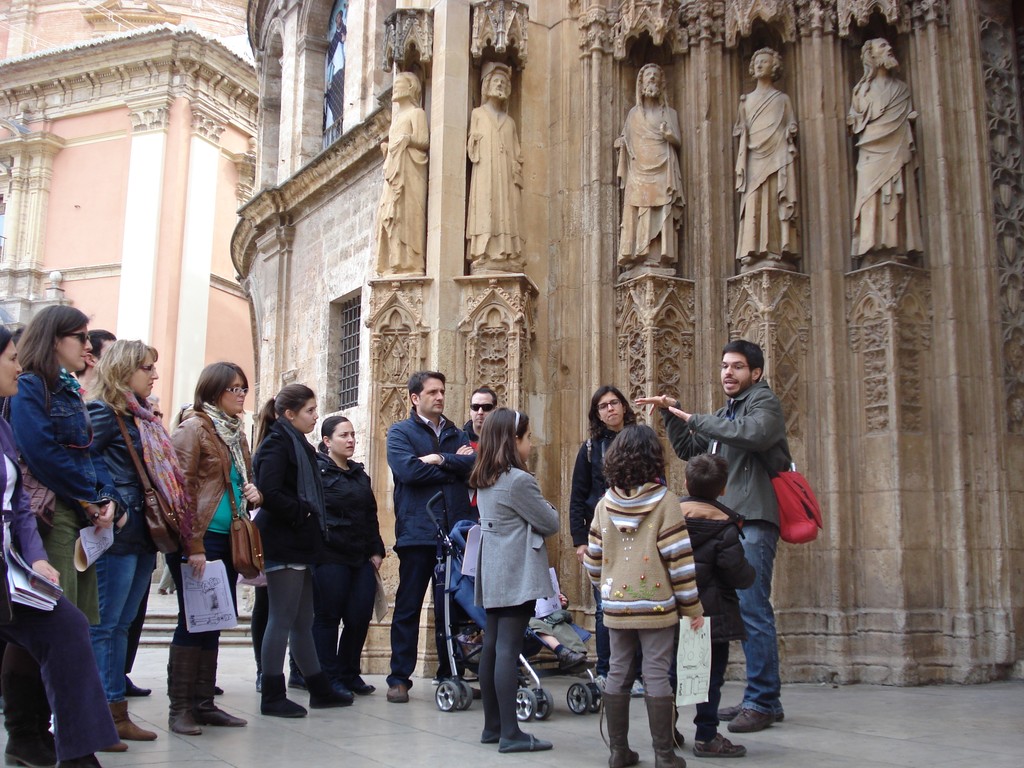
column 640, row 558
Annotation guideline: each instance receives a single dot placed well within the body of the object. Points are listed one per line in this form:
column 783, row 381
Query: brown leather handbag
column 161, row 519
column 41, row 500
column 246, row 542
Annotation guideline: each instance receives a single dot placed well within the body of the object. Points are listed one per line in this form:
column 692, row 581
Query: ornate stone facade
column 408, row 39
column 901, row 382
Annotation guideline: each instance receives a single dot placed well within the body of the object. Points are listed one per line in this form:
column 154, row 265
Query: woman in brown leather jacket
column 211, row 447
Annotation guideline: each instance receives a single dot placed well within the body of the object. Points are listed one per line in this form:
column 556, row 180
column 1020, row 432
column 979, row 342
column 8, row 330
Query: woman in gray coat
column 512, row 572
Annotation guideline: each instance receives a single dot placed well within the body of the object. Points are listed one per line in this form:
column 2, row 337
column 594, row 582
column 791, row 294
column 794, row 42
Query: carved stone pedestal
column 655, row 331
column 498, row 320
column 772, row 307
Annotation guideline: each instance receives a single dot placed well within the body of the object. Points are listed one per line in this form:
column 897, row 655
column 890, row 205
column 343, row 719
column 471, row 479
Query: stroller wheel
column 447, row 695
column 526, row 704
column 466, row 695
column 545, row 703
column 595, row 693
column 579, row 698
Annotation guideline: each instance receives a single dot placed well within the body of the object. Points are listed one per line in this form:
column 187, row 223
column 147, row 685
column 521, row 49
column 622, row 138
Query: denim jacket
column 114, row 467
column 54, row 442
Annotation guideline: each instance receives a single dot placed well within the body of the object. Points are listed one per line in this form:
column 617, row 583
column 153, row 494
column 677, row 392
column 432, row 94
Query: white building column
column 197, row 254
column 141, row 239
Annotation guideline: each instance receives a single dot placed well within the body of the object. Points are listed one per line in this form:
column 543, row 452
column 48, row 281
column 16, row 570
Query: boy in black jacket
column 721, row 570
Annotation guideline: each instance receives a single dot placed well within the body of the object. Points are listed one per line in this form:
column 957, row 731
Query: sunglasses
column 485, row 407
column 82, row 336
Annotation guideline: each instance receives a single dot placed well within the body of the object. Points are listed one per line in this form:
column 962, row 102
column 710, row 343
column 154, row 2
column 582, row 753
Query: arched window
column 334, row 72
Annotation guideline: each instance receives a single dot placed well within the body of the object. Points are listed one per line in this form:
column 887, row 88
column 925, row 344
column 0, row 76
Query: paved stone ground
column 863, row 726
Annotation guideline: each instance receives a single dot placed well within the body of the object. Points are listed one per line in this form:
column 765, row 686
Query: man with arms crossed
column 427, row 453
column 751, row 423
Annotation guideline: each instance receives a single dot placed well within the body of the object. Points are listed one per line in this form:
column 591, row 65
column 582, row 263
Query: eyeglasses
column 237, row 390
column 147, row 368
column 82, row 336
column 485, row 407
column 609, row 405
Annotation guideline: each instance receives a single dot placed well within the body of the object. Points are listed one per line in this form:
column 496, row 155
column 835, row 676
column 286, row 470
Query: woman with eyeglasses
column 214, row 458
column 119, row 405
column 609, row 413
column 55, row 643
column 345, row 581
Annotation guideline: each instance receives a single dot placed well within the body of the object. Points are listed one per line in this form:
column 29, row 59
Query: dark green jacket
column 757, row 426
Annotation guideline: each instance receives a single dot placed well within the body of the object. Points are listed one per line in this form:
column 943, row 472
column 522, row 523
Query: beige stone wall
column 902, row 380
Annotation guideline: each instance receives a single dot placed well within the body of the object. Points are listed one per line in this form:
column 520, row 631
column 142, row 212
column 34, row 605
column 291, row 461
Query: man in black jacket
column 427, row 453
column 481, row 403
column 751, row 423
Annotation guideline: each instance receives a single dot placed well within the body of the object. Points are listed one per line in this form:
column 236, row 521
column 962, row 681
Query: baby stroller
column 459, row 625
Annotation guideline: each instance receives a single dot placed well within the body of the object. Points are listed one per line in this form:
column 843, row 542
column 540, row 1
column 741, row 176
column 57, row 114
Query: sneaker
column 718, row 747
column 751, row 721
column 601, row 680
column 637, row 691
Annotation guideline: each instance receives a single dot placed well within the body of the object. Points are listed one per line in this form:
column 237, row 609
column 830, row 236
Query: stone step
column 159, row 629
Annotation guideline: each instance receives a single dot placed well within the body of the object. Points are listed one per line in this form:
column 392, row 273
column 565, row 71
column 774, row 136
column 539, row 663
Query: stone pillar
column 271, row 267
column 197, row 252
column 497, row 326
column 890, row 332
column 143, row 205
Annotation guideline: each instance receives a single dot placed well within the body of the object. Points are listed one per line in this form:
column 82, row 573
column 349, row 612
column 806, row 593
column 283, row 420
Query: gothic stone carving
column 651, row 178
column 500, row 24
column 1006, row 140
column 408, row 37
column 493, row 235
column 772, row 307
column 398, row 344
column 902, row 14
column 815, row 17
column 498, row 323
column 655, row 331
column 702, row 20
column 658, row 18
column 886, row 222
column 740, row 16
column 889, row 318
column 766, row 171
column 595, row 31
column 402, row 211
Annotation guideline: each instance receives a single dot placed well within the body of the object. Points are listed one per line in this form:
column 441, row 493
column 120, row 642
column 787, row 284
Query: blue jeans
column 122, row 581
column 707, row 712
column 761, row 646
column 342, row 594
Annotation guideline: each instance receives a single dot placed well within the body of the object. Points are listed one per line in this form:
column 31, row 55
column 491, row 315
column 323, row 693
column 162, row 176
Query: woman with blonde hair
column 120, row 410
column 214, row 457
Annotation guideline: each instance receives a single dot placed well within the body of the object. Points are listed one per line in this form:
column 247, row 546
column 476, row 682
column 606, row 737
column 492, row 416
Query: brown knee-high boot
column 661, row 717
column 616, row 709
column 182, row 671
column 126, row 729
column 204, row 711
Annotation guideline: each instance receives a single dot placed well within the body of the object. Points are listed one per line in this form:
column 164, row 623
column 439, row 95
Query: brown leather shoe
column 751, row 721
column 726, row 714
column 718, row 747
column 398, row 694
column 126, row 729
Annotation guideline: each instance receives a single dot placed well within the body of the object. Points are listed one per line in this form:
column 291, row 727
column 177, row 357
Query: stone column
column 27, row 210
column 197, row 252
column 890, row 331
column 143, row 205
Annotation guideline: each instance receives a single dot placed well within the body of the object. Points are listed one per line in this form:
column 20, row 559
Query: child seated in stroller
column 557, row 631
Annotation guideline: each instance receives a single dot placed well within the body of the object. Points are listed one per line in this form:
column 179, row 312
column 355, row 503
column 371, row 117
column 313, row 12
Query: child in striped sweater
column 639, row 556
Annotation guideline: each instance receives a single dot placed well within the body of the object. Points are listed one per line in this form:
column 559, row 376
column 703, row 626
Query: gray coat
column 514, row 519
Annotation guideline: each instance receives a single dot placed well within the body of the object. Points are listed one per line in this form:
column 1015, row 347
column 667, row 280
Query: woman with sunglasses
column 53, row 434
column 55, row 642
column 214, row 458
column 119, row 405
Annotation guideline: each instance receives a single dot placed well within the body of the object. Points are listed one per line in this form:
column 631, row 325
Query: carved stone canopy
column 741, row 14
column 657, row 18
column 408, row 38
column 501, row 25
